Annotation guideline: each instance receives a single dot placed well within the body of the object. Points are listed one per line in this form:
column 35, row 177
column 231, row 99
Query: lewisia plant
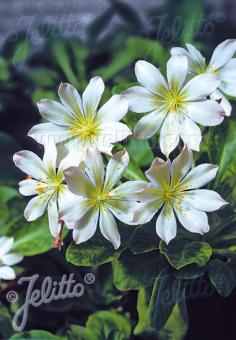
column 221, row 63
column 175, row 105
column 8, row 258
column 77, row 123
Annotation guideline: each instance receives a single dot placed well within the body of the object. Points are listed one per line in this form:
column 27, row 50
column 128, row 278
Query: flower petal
column 95, row 167
column 70, row 98
column 75, row 210
column 159, row 173
column 6, row 243
column 190, row 134
column 122, row 210
column 203, row 199
column 30, row 163
column 181, row 165
column 86, row 226
column 109, row 228
column 55, row 112
column 7, row 273
column 144, row 212
column 36, row 207
column 200, row 87
column 223, row 53
column 47, row 131
column 150, row 77
column 193, row 220
column 92, row 95
column 50, row 156
column 148, row 125
column 166, row 227
column 78, row 183
column 73, row 158
column 140, row 99
column 169, row 134
column 112, row 132
column 149, row 193
column 197, row 59
column 114, row 109
column 128, row 191
column 177, row 68
column 219, row 97
column 53, row 218
column 29, row 187
column 207, row 113
column 115, row 169
column 11, row 259
column 200, row 176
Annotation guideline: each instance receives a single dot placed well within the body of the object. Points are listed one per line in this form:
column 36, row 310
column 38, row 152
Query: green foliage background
column 141, row 289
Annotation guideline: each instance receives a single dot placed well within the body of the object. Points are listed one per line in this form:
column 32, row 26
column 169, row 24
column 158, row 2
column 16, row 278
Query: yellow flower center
column 85, row 128
column 212, row 70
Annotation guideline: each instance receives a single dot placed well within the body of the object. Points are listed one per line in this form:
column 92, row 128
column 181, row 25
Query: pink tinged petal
column 36, row 207
column 149, row 193
column 30, row 187
column 70, row 98
column 207, row 113
column 114, row 109
column 107, row 149
column 108, row 227
column 223, row 53
column 193, row 220
column 221, row 99
column 112, row 132
column 86, row 226
column 169, row 134
column 166, row 227
column 50, row 156
column 73, row 158
column 181, row 165
column 200, row 87
column 200, row 176
column 11, row 259
column 203, row 199
column 7, row 273
column 148, row 125
column 94, row 167
column 159, row 173
column 6, row 243
column 115, row 169
column 122, row 210
column 53, row 218
column 55, row 112
column 177, row 68
column 92, row 95
column 78, row 183
column 150, row 77
column 129, row 190
column 191, row 134
column 140, row 99
column 144, row 212
column 44, row 132
column 30, row 163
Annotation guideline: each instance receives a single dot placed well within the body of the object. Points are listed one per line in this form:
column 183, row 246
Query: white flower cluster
column 75, row 187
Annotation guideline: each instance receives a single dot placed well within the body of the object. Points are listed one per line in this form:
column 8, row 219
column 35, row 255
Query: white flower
column 46, row 183
column 221, row 63
column 97, row 200
column 77, row 123
column 7, row 259
column 174, row 190
column 175, row 107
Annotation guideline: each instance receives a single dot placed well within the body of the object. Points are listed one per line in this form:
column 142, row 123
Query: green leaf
column 77, row 332
column 181, row 253
column 4, row 72
column 141, row 151
column 144, row 239
column 6, row 194
column 155, row 306
column 222, row 276
column 37, row 335
column 135, row 271
column 6, row 329
column 94, row 252
column 109, row 325
column 133, row 172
